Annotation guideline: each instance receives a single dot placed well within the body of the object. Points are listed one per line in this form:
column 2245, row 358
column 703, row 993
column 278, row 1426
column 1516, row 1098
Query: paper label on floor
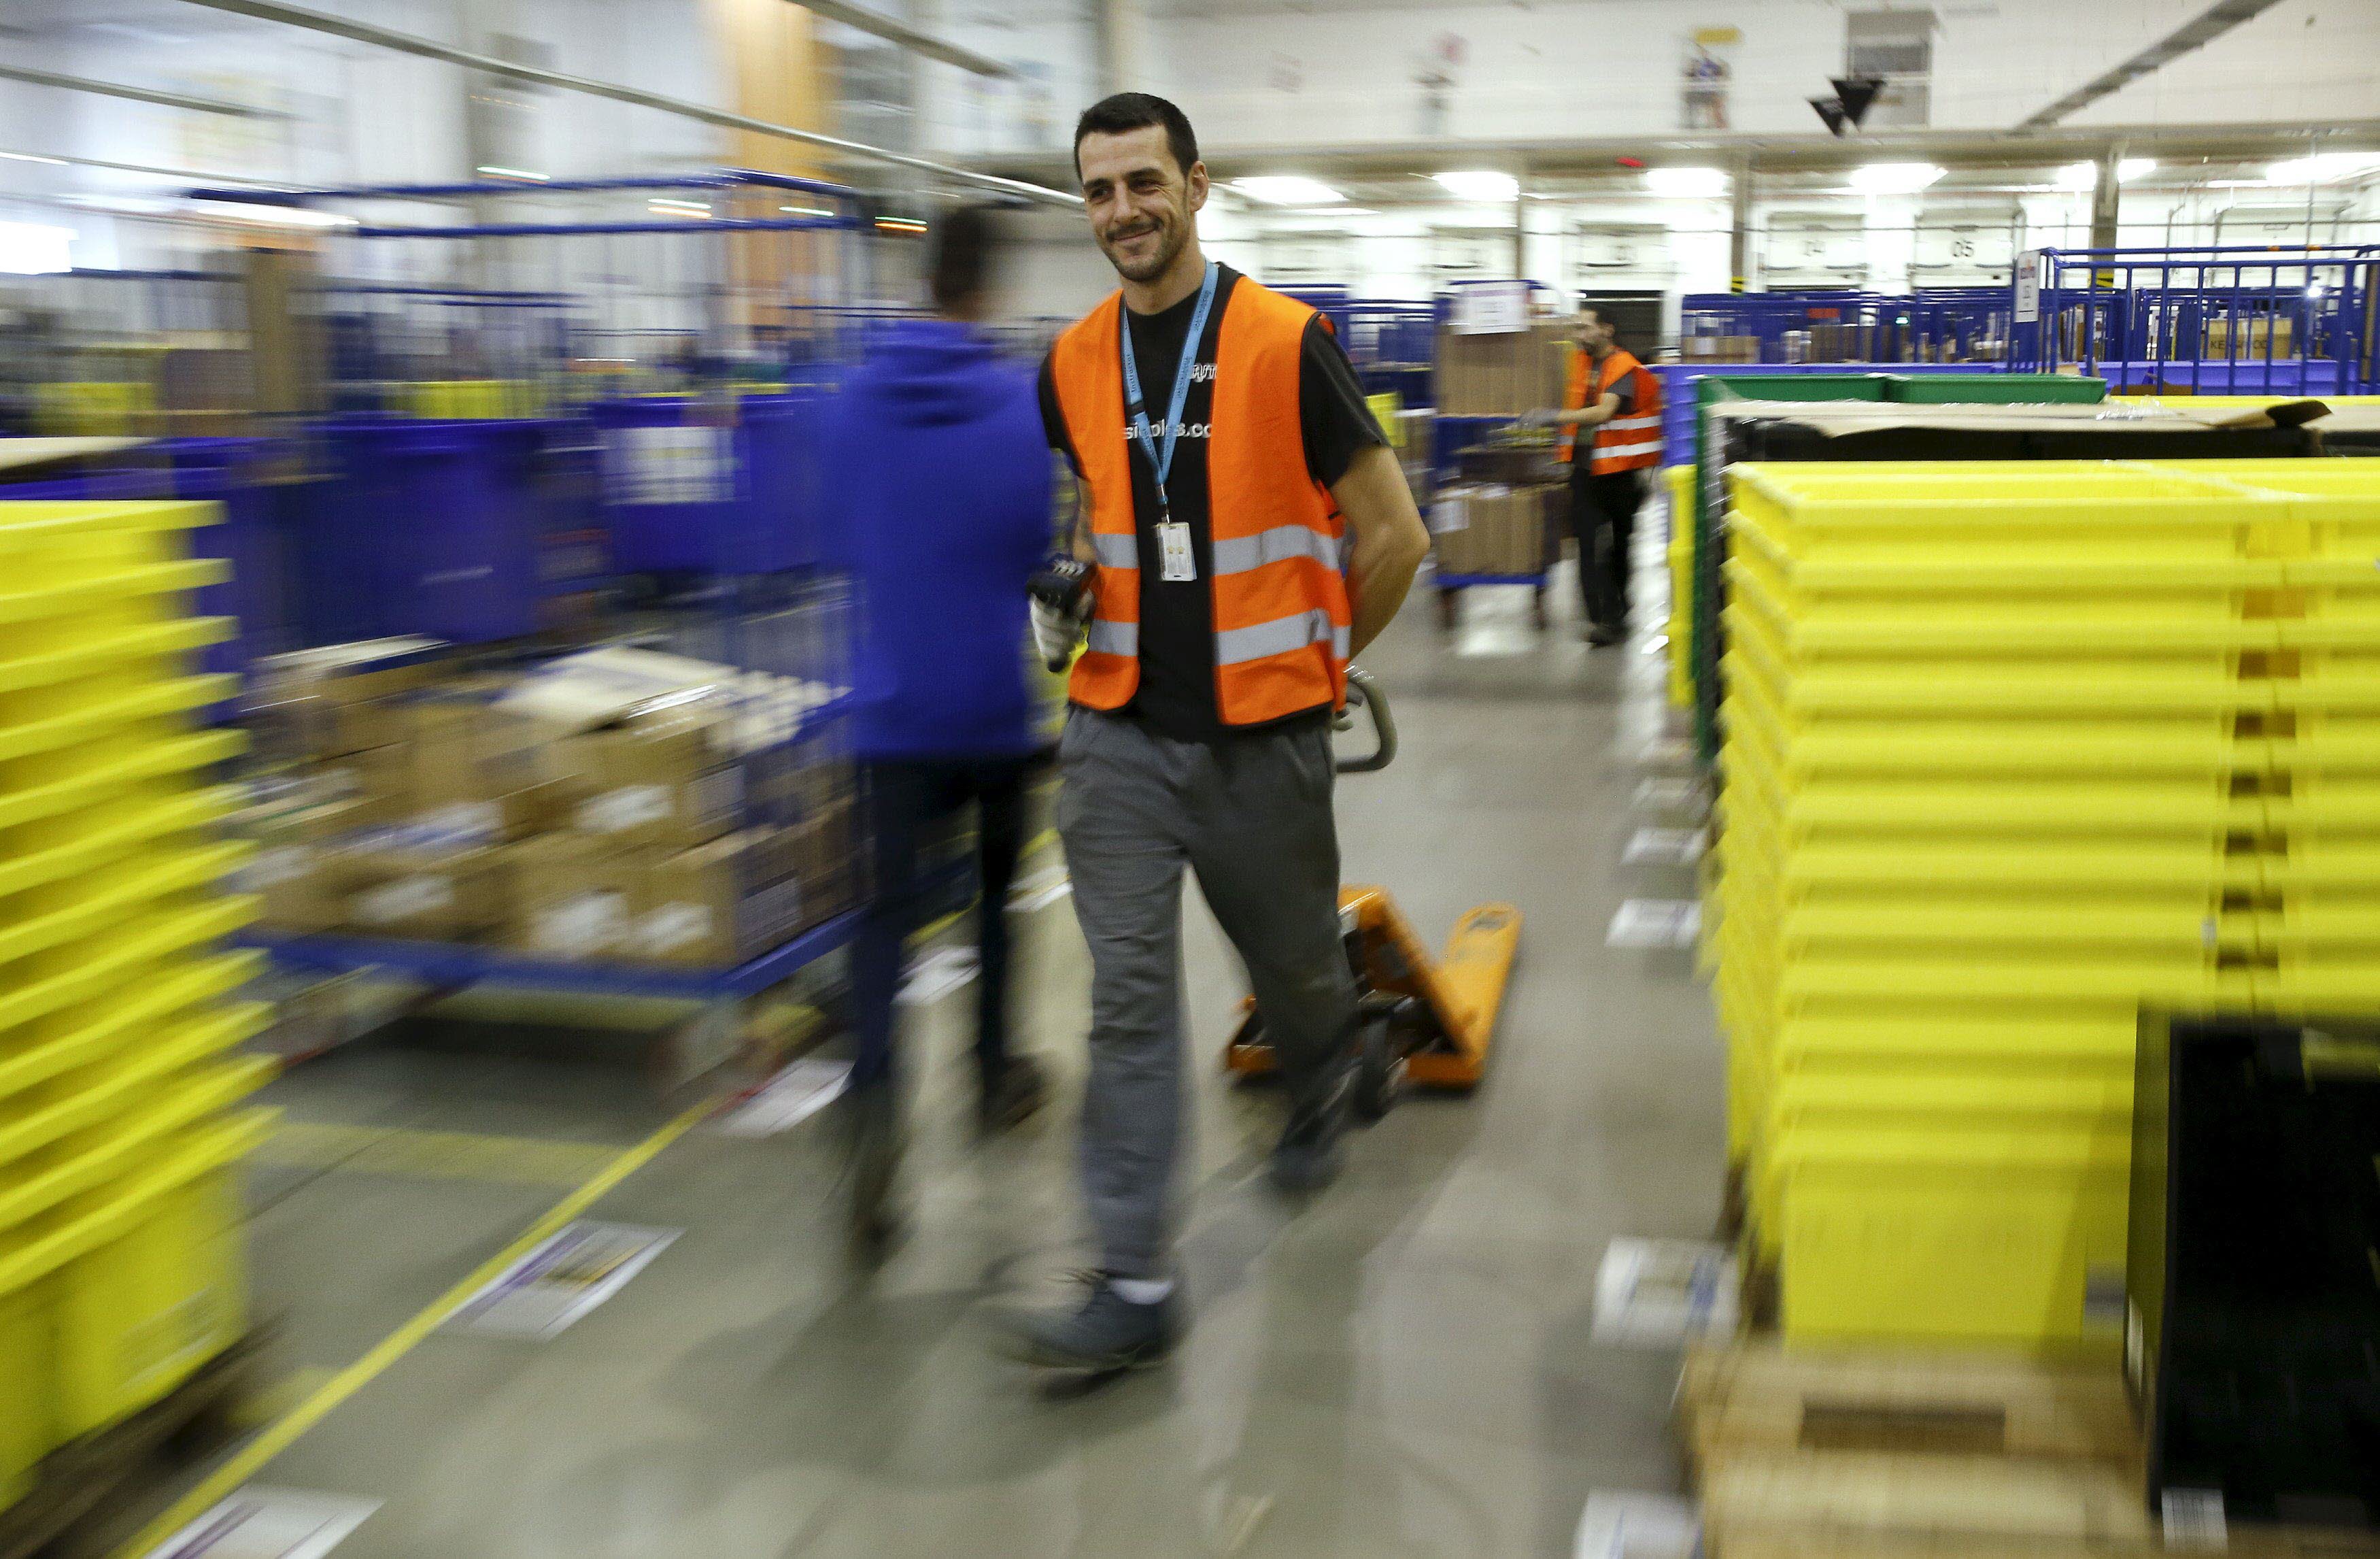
column 1621, row 1525
column 929, row 979
column 1669, row 793
column 1039, row 890
column 786, row 1100
column 564, row 1278
column 1656, row 922
column 1665, row 846
column 259, row 1522
column 1660, row 1293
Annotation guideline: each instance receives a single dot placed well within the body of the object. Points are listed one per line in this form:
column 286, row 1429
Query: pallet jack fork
column 1419, row 1018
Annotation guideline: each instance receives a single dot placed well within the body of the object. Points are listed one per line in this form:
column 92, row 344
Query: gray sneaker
column 1107, row 1333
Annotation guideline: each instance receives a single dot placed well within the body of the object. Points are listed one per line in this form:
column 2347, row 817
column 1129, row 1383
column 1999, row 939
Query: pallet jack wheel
column 1379, row 1072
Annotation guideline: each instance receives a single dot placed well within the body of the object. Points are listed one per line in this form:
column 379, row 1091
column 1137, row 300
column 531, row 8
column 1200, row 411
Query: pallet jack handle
column 1364, row 693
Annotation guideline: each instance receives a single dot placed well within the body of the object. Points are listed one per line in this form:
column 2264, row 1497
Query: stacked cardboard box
column 1720, row 349
column 1502, row 374
column 1488, row 529
column 424, row 805
column 2263, row 336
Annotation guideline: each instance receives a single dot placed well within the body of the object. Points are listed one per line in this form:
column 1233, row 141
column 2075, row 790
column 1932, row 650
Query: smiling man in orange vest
column 1251, row 530
column 1607, row 485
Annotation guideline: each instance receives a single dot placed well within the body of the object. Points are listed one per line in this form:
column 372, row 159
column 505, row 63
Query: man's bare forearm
column 1388, row 538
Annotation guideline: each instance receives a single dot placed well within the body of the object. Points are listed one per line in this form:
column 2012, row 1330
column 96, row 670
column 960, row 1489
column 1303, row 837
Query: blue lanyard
column 1162, row 464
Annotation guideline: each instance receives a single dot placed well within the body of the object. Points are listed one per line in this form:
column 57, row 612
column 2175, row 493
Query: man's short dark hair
column 1602, row 316
column 1126, row 111
column 965, row 245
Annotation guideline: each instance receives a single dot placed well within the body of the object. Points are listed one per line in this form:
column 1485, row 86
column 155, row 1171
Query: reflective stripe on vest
column 1281, row 611
column 1630, row 443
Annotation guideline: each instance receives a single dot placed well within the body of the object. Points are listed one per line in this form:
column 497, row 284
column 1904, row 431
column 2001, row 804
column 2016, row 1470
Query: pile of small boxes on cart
column 614, row 806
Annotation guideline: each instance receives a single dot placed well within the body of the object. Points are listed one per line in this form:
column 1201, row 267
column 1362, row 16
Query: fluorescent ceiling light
column 1696, row 183
column 29, row 157
column 33, row 248
column 271, row 217
column 1288, row 190
column 1488, row 188
column 2322, row 167
column 1893, row 179
column 806, row 211
column 677, row 208
column 490, row 171
column 2084, row 177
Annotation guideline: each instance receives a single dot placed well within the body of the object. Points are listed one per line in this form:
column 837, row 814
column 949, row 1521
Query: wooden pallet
column 84, row 1487
column 1861, row 1455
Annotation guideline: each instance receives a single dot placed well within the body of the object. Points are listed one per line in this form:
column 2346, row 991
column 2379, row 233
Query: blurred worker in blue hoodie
column 937, row 466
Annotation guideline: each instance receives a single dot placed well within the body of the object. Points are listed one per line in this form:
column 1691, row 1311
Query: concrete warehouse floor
column 1403, row 1369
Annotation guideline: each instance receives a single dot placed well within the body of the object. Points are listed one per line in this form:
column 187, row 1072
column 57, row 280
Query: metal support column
column 1739, row 239
column 2106, row 196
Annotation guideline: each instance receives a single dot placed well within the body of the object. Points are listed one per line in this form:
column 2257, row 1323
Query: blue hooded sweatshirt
column 938, row 471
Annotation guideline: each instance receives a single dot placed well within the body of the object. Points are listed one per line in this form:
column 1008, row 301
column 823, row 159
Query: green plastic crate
column 1995, row 389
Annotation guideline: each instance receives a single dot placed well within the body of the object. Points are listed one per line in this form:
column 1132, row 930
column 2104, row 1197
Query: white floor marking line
column 936, row 974
column 261, row 1522
column 1620, row 1524
column 1665, row 846
column 1656, row 922
column 793, row 1096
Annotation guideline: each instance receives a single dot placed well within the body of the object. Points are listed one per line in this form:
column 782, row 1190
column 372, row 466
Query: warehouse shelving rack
column 1449, row 433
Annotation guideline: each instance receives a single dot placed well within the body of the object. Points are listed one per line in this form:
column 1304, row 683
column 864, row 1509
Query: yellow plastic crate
column 78, row 1114
column 2013, row 1239
column 30, row 1057
column 103, row 1151
column 162, row 1289
column 141, row 949
column 113, row 1307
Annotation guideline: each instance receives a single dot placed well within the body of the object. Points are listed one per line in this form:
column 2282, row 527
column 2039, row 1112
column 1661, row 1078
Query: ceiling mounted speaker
column 1831, row 111
column 1856, row 93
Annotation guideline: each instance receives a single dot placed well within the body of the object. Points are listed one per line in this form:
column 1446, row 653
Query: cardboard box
column 296, row 897
column 572, row 897
column 661, row 781
column 714, row 906
column 333, row 700
column 427, row 895
column 1491, row 529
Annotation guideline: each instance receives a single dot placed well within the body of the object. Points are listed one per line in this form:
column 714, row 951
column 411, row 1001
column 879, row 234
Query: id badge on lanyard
column 1177, row 560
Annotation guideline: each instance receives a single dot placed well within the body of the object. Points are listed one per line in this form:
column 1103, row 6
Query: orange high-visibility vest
column 1282, row 615
column 1625, row 444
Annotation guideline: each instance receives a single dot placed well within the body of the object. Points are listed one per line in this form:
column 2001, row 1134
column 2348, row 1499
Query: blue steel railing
column 2217, row 320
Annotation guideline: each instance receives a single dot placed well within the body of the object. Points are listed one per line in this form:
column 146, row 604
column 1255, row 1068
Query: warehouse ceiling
column 2177, row 145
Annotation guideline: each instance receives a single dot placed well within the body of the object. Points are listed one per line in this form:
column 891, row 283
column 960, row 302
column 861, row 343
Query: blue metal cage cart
column 2235, row 320
column 680, row 355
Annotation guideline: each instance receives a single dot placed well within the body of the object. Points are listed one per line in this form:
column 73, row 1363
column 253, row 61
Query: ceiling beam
column 877, row 25
column 430, row 48
column 2196, row 33
column 139, row 94
column 1763, row 152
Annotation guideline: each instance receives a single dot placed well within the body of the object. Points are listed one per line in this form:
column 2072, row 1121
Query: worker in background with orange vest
column 1613, row 409
column 1250, row 530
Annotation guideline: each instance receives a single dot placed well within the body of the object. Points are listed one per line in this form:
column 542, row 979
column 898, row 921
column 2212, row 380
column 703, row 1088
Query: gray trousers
column 1251, row 816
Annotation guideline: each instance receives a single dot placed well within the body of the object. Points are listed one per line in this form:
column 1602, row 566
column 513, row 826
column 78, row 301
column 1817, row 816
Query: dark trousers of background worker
column 904, row 798
column 1603, row 518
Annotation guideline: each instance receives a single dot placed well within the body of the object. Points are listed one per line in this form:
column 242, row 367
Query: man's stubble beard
column 1157, row 265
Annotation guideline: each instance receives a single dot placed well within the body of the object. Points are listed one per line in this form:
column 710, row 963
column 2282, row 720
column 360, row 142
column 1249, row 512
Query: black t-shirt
column 1176, row 697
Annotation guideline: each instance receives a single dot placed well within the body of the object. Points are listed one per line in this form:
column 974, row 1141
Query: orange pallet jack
column 1419, row 1019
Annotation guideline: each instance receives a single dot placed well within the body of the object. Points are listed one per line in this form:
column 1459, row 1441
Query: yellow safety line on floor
column 433, row 1155
column 397, row 1344
column 286, row 1431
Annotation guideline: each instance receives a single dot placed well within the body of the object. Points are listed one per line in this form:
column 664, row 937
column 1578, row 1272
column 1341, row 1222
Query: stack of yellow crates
column 2012, row 752
column 120, row 1271
column 1680, row 629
